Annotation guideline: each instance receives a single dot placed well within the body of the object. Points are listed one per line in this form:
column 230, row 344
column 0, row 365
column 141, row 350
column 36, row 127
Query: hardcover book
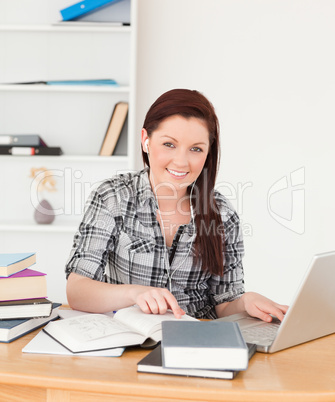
column 14, row 329
column 114, row 129
column 129, row 326
column 26, row 284
column 30, row 308
column 10, row 263
column 203, row 345
column 152, row 363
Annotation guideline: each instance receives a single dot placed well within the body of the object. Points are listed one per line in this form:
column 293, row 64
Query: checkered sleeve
column 94, row 238
column 230, row 286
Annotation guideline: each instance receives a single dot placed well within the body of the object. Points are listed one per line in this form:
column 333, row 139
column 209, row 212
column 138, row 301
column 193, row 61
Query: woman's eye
column 196, row 149
column 169, row 145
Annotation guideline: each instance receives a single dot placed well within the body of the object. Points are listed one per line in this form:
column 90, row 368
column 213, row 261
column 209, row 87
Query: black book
column 152, row 363
column 28, row 151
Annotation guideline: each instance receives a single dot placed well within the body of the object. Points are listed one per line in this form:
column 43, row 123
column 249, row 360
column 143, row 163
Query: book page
column 150, row 325
column 91, row 326
column 42, row 343
column 69, row 313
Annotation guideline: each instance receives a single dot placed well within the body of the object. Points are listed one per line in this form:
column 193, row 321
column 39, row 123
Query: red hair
column 189, row 103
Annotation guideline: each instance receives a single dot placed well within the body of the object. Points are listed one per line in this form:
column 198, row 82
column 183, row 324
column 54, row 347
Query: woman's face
column 178, row 150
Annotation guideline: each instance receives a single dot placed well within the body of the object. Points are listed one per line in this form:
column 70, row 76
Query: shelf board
column 31, row 226
column 62, row 27
column 93, row 158
column 68, row 158
column 63, row 88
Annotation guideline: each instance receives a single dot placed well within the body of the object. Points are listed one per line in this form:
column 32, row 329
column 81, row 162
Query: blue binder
column 83, row 7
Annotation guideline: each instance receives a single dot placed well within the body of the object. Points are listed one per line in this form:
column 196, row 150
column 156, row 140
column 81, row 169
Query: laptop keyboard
column 260, row 334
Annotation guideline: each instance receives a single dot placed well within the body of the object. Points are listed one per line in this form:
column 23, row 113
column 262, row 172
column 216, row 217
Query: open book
column 129, row 326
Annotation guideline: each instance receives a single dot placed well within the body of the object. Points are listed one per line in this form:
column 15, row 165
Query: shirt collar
column 145, row 193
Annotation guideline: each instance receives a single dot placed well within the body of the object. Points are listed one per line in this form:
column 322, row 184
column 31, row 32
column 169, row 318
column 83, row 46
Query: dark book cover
column 152, row 363
column 29, row 151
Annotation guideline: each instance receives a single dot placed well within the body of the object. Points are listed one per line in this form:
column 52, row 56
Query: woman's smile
column 176, row 174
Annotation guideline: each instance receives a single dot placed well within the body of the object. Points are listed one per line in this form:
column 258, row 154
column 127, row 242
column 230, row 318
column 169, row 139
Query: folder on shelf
column 27, row 151
column 114, row 129
column 112, row 13
column 83, row 7
column 22, row 140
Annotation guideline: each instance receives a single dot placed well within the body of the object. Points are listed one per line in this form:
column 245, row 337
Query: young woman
column 163, row 238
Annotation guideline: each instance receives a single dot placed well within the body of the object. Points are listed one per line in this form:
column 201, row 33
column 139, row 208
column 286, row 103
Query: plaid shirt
column 120, row 241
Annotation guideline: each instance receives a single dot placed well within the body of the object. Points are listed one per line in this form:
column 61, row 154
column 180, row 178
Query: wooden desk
column 303, row 373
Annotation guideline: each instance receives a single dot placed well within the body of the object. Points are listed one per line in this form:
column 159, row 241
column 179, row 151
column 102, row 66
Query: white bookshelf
column 37, row 48
column 34, row 47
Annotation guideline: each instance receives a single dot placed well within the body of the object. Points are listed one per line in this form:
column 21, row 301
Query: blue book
column 11, row 263
column 14, row 329
column 63, row 82
column 83, row 82
column 83, row 7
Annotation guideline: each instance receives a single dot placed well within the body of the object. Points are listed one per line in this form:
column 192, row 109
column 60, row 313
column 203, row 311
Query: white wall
column 268, row 67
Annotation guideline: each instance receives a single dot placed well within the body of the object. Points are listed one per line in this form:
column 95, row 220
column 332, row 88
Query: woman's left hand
column 259, row 306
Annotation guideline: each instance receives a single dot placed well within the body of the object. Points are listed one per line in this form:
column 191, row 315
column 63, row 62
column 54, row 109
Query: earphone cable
column 166, row 261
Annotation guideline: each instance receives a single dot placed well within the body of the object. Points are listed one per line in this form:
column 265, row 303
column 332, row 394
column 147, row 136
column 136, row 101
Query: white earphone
column 146, row 144
column 166, row 260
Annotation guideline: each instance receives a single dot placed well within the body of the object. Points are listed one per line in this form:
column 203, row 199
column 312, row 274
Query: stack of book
column 199, row 349
column 26, row 144
column 23, row 296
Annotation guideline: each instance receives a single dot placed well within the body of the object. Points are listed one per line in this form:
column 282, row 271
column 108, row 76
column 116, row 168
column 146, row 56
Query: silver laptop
column 311, row 314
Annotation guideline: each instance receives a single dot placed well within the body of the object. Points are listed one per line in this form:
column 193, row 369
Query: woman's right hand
column 100, row 297
column 153, row 300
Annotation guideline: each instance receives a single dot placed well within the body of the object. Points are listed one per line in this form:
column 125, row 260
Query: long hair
column 187, row 103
